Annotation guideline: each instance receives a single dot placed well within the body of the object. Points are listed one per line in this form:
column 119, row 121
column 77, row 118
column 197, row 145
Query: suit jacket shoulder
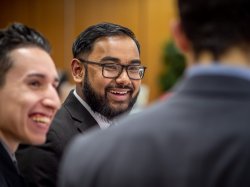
column 9, row 176
column 197, row 137
column 71, row 119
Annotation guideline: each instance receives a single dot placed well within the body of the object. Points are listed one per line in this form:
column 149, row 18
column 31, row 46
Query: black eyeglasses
column 113, row 70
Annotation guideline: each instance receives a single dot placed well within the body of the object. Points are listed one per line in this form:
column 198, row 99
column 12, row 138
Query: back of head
column 85, row 41
column 15, row 36
column 216, row 25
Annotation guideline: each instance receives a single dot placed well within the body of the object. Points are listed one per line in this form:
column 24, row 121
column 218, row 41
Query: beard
column 101, row 104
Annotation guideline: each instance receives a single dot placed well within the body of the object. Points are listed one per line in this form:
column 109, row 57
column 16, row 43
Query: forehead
column 115, row 46
column 31, row 60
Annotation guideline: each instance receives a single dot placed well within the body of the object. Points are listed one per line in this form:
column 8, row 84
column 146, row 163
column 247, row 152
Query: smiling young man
column 28, row 97
column 107, row 71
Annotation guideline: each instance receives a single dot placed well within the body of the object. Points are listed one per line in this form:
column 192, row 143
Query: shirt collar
column 218, row 69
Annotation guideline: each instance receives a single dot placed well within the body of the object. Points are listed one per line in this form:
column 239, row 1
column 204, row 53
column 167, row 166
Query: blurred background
column 62, row 20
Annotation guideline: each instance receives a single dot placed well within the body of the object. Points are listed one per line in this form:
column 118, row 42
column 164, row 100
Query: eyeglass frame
column 123, row 67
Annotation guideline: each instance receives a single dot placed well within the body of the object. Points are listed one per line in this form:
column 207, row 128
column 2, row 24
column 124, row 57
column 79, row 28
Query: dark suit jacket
column 39, row 164
column 199, row 137
column 9, row 176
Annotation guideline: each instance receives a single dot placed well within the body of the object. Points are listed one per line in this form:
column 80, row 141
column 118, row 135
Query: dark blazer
column 199, row 137
column 9, row 176
column 39, row 164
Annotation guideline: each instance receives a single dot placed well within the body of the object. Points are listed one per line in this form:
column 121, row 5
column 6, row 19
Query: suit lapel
column 83, row 119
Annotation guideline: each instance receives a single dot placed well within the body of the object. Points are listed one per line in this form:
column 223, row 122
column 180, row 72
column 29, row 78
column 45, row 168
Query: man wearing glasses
column 107, row 70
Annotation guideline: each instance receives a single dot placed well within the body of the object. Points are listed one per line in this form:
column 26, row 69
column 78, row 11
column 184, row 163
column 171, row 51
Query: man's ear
column 181, row 41
column 77, row 69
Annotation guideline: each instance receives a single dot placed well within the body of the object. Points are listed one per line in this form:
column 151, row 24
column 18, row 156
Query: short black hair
column 84, row 42
column 215, row 25
column 18, row 35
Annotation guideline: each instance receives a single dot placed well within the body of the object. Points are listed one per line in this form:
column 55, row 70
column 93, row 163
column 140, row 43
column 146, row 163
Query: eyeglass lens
column 114, row 70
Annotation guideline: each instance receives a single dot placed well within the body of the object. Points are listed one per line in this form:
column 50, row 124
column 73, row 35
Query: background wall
column 62, row 20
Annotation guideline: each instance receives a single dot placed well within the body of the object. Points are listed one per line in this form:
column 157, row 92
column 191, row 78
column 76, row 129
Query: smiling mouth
column 119, row 95
column 42, row 119
column 119, row 92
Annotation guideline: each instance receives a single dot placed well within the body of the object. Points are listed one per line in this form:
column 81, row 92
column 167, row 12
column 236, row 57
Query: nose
column 52, row 99
column 123, row 78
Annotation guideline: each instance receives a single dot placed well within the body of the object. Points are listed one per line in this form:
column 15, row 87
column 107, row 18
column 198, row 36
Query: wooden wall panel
column 160, row 14
column 62, row 20
column 13, row 10
column 117, row 11
column 46, row 16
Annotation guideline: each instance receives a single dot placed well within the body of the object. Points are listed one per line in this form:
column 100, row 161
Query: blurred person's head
column 109, row 88
column 213, row 28
column 28, row 81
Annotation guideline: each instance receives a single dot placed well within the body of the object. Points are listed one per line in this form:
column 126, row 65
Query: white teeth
column 116, row 92
column 41, row 119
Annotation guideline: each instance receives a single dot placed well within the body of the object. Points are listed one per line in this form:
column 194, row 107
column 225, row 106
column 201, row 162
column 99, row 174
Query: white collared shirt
column 102, row 121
